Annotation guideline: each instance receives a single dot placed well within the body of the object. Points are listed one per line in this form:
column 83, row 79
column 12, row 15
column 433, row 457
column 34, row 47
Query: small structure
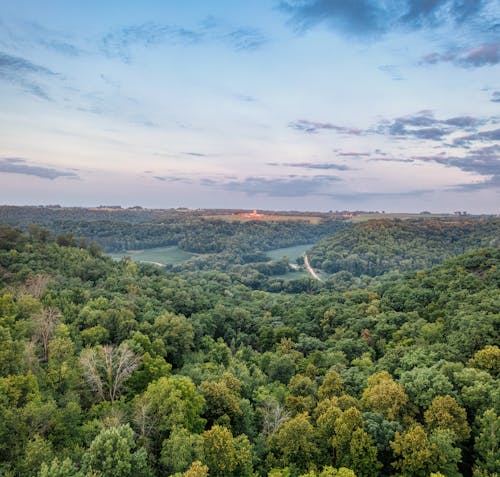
column 251, row 215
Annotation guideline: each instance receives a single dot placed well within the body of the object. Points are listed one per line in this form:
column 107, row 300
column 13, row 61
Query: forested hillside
column 119, row 369
column 379, row 246
column 122, row 230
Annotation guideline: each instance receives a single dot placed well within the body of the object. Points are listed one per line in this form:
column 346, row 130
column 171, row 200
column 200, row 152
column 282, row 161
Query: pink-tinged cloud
column 483, row 55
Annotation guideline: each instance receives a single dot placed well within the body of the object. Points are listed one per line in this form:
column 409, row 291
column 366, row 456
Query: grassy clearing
column 162, row 255
column 293, row 253
column 273, row 218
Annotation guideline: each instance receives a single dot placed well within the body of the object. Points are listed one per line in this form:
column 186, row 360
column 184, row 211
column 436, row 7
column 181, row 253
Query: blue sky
column 310, row 105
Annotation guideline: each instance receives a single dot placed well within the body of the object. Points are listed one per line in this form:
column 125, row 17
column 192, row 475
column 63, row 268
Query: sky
column 271, row 104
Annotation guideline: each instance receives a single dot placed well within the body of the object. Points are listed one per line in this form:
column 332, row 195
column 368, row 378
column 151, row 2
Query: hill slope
column 378, row 246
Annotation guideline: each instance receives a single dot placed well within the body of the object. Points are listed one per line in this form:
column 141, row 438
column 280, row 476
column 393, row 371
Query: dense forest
column 119, row 369
column 192, row 231
column 379, row 246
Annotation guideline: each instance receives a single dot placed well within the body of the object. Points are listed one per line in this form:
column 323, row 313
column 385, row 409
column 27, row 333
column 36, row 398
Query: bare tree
column 273, row 415
column 36, row 285
column 144, row 419
column 45, row 325
column 107, row 367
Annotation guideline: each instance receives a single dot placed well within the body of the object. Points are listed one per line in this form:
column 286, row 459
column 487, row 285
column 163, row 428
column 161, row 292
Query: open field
column 403, row 216
column 160, row 255
column 293, row 253
column 274, row 218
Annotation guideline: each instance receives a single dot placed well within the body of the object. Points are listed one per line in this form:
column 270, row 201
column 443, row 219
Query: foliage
column 379, row 246
column 119, row 368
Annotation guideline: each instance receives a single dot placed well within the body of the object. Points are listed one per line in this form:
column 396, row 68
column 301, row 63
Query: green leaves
column 113, row 454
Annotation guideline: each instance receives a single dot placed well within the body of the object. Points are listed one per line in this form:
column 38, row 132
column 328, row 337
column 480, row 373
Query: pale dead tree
column 273, row 415
column 45, row 324
column 107, row 367
column 36, row 285
column 144, row 419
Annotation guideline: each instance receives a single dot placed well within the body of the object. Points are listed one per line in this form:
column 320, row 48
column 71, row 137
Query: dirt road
column 310, row 269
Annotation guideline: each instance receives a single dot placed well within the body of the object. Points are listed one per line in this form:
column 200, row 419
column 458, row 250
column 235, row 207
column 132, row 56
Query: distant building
column 251, row 215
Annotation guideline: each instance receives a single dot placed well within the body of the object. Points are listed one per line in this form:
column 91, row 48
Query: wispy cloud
column 493, row 135
column 16, row 35
column 22, row 73
column 14, row 165
column 184, row 180
column 353, row 154
column 392, row 159
column 49, row 39
column 313, row 165
column 291, row 186
column 420, row 125
column 491, row 183
column 369, row 18
column 245, row 39
column 423, row 125
column 119, row 43
column 363, row 195
column 483, row 161
column 316, row 126
column 358, row 17
column 195, row 154
column 483, row 55
column 392, row 71
column 495, row 97
column 246, row 98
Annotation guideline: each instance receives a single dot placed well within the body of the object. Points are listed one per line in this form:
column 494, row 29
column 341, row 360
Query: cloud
column 492, row 183
column 245, row 39
column 495, row 97
column 20, row 71
column 436, row 12
column 358, row 17
column 35, row 33
column 381, row 195
column 14, row 165
column 245, row 98
column 313, row 165
column 369, row 18
column 195, row 154
column 19, row 35
column 420, row 125
column 292, row 186
column 354, row 154
column 484, row 55
column 62, row 47
column 391, row 159
column 423, row 125
column 392, row 71
column 173, row 179
column 119, row 43
column 208, row 182
column 315, row 126
column 15, row 63
column 483, row 161
column 493, row 135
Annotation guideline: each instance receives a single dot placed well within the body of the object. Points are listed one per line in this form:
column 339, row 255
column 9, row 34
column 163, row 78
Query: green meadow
column 161, row 255
column 293, row 253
